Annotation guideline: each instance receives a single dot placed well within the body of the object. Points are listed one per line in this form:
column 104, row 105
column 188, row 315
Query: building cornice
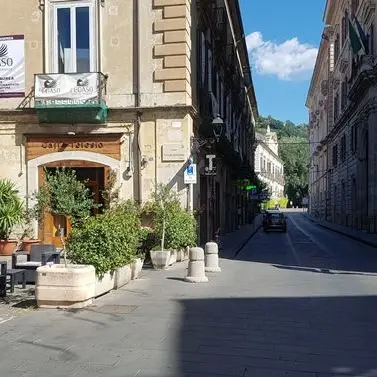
column 29, row 114
column 268, row 149
column 239, row 40
column 322, row 50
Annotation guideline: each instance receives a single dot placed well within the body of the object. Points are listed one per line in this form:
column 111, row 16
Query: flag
column 354, row 38
column 363, row 37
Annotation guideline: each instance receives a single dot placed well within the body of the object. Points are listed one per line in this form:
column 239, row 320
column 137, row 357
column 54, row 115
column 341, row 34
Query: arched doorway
column 95, row 167
column 94, row 175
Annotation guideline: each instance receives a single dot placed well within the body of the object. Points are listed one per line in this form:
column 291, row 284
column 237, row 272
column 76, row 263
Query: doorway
column 94, row 176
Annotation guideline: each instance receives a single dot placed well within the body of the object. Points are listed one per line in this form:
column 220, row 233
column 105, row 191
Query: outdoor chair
column 39, row 255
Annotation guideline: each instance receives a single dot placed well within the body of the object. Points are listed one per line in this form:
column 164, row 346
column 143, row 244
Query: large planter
column 113, row 280
column 160, row 259
column 58, row 286
column 173, row 257
column 137, row 266
column 27, row 244
column 182, row 255
column 8, row 247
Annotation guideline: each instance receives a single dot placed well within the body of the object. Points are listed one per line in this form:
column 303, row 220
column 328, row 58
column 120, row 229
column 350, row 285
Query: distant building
column 267, row 163
column 342, row 121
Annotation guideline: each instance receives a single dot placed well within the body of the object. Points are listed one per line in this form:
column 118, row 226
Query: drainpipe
column 137, row 95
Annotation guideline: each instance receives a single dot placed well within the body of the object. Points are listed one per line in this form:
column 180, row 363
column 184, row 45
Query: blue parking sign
column 190, row 174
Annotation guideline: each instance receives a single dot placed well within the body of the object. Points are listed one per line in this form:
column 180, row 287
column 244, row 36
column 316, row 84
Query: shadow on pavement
column 278, row 337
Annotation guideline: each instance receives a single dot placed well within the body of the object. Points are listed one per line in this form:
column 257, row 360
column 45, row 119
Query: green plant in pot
column 164, row 203
column 11, row 215
column 28, row 236
column 64, row 195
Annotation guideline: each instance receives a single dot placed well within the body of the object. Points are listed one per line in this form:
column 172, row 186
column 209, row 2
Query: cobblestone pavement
column 299, row 304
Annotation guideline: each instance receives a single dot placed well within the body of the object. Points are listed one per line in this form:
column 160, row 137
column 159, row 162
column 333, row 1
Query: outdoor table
column 14, row 274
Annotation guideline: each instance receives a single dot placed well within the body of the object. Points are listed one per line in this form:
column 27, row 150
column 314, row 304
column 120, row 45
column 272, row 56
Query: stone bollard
column 196, row 268
column 212, row 257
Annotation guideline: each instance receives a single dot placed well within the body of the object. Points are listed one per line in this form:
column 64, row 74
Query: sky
column 282, row 38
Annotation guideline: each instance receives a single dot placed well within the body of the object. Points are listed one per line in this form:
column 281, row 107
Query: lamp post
column 196, row 144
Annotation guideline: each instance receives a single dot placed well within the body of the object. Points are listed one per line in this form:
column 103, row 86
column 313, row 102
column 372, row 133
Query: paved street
column 300, row 304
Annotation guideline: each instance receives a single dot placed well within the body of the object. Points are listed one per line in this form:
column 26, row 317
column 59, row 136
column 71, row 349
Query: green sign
column 250, row 187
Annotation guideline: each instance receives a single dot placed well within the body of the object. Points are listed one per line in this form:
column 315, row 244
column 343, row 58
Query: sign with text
column 12, row 66
column 106, row 144
column 210, row 165
column 189, row 175
column 64, row 90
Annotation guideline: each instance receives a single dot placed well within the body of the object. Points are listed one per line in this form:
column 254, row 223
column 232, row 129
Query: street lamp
column 217, row 129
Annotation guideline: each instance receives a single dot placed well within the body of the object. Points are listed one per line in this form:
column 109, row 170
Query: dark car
column 274, row 220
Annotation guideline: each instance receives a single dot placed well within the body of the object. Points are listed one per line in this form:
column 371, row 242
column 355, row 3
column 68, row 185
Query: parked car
column 274, row 220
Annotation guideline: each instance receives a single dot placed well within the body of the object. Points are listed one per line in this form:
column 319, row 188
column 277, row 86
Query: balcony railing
column 70, row 97
column 364, row 72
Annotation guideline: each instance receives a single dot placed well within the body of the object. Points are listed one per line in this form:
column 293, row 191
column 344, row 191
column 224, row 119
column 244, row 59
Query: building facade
column 343, row 111
column 112, row 88
column 268, row 165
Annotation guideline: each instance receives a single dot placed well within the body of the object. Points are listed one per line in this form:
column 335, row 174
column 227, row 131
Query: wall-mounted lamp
column 102, row 3
column 42, row 5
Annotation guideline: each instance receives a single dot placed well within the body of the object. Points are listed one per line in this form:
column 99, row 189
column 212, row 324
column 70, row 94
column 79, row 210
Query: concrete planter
column 182, row 255
column 160, row 259
column 137, row 266
column 58, row 286
column 173, row 257
column 113, row 280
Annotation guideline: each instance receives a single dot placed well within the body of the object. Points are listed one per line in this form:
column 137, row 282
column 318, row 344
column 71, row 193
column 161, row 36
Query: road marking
column 5, row 320
column 319, row 244
column 294, row 251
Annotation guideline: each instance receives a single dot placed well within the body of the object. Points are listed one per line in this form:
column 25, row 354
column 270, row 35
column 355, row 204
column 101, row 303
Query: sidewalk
column 232, row 243
column 364, row 237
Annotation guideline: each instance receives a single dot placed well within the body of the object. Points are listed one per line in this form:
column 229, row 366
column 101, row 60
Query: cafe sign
column 67, row 90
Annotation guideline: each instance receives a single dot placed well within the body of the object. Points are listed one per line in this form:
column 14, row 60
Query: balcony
column 364, row 73
column 71, row 98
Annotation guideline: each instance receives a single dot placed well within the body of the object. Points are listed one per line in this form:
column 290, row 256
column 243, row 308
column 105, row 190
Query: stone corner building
column 104, row 86
column 343, row 116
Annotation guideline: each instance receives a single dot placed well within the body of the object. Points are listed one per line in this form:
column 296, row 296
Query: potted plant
column 163, row 206
column 181, row 233
column 146, row 243
column 27, row 238
column 64, row 285
column 108, row 242
column 11, row 215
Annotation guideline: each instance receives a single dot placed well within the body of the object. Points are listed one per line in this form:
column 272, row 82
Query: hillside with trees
column 294, row 151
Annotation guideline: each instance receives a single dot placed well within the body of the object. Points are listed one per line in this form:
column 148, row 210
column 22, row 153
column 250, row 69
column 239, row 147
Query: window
column 354, row 138
column 336, row 49
column 344, row 94
column 371, row 39
column 336, row 107
column 74, row 37
column 343, row 148
column 335, row 155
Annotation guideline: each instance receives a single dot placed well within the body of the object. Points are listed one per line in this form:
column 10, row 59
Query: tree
column 294, row 151
column 63, row 194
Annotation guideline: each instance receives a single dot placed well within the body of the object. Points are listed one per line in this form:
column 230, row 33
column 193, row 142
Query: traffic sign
column 189, row 175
